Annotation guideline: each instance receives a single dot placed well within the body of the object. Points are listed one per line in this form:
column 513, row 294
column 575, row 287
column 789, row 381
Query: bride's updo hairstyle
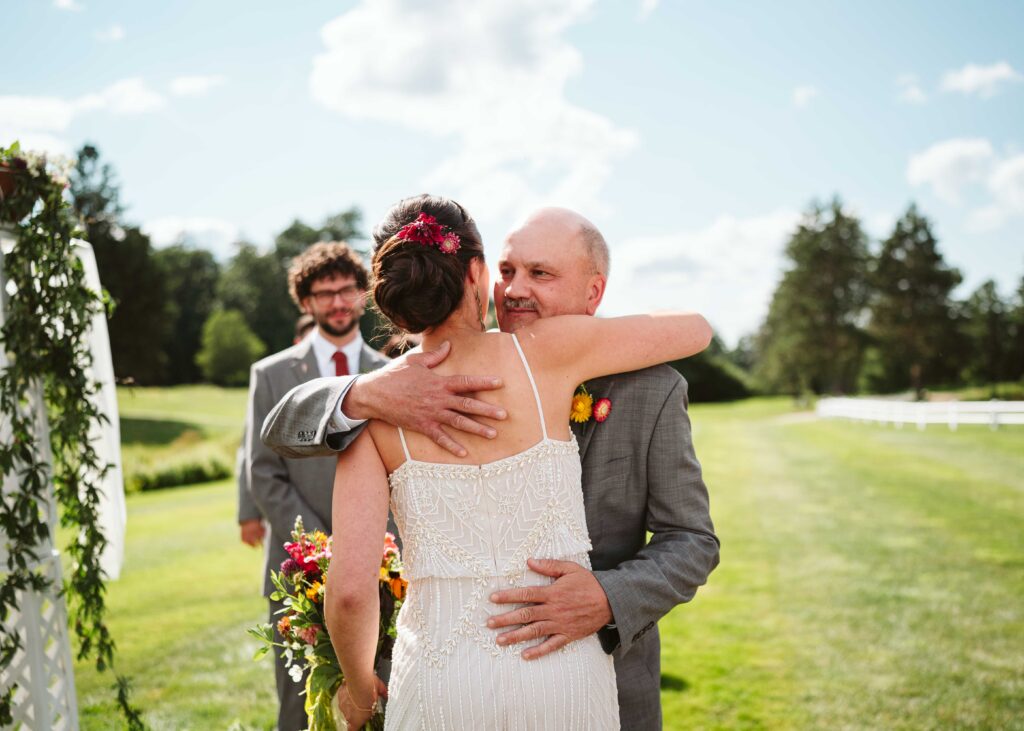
column 418, row 286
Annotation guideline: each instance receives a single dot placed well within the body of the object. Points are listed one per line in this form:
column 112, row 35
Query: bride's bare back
column 492, row 353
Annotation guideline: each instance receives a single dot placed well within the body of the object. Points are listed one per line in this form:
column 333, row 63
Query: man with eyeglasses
column 328, row 281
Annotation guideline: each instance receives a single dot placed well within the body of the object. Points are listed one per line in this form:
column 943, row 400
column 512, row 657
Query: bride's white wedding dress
column 467, row 531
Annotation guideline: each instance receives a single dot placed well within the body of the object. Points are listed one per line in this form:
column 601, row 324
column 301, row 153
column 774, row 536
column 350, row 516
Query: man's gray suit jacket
column 285, row 488
column 640, row 475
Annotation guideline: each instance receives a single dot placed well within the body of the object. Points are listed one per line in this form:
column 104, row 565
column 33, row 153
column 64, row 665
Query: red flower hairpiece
column 427, row 231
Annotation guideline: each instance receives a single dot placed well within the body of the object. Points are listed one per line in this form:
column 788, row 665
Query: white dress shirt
column 324, row 351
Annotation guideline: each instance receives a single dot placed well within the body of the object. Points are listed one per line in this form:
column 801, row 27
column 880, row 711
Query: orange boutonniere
column 584, row 407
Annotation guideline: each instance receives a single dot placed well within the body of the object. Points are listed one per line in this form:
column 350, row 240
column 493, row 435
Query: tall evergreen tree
column 912, row 316
column 127, row 269
column 812, row 338
column 987, row 328
column 1016, row 362
column 190, row 277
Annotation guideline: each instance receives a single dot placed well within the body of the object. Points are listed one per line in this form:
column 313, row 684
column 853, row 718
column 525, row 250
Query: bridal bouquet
column 306, row 644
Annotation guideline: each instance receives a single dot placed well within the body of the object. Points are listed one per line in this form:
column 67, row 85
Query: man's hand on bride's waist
column 407, row 393
column 574, row 606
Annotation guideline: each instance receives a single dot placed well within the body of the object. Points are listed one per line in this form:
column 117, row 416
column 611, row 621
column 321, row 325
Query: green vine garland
column 45, row 336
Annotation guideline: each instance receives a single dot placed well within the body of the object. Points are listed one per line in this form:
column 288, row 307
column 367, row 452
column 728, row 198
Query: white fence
column 921, row 413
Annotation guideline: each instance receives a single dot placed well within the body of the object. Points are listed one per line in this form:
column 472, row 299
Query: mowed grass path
column 870, row 578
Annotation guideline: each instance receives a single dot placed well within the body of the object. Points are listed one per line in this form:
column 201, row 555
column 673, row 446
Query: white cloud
column 647, row 7
column 490, row 77
column 128, row 96
column 37, row 121
column 43, row 113
column 35, row 140
column 951, row 165
column 726, row 270
column 1006, row 184
column 802, row 95
column 981, row 80
column 214, row 234
column 195, row 85
column 111, row 35
column 68, row 5
column 909, row 90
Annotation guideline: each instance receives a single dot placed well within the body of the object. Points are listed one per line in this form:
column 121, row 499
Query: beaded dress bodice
column 467, row 530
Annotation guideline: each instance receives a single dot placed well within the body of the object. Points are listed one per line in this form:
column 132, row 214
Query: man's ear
column 595, row 292
column 475, row 270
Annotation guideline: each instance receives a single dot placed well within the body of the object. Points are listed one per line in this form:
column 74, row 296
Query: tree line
column 849, row 317
column 180, row 316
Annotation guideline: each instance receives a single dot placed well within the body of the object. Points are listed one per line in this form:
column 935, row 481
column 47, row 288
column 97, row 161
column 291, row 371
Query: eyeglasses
column 349, row 293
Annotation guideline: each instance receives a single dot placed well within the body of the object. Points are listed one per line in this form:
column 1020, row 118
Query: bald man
column 640, row 473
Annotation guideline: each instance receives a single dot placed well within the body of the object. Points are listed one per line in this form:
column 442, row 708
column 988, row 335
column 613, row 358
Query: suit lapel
column 369, row 359
column 304, row 365
column 599, row 388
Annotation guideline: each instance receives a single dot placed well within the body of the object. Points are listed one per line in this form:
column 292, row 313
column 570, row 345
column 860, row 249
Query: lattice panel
column 45, row 698
column 42, row 669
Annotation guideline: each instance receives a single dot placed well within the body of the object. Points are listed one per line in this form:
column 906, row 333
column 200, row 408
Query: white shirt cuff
column 339, row 423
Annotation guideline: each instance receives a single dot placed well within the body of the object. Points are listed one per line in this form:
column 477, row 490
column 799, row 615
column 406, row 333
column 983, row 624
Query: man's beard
column 328, row 328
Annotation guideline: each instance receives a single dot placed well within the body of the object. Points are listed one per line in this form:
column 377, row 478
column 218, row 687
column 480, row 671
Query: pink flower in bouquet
column 289, row 567
column 295, row 551
column 390, row 547
column 308, row 634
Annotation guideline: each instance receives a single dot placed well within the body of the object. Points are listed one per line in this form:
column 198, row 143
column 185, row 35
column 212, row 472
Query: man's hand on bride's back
column 573, row 607
column 407, row 393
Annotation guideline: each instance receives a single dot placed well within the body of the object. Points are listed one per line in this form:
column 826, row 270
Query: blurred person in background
column 251, row 525
column 327, row 282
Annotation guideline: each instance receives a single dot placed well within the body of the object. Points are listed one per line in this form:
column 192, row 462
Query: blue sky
column 692, row 134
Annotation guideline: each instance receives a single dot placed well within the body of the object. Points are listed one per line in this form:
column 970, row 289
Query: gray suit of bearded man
column 286, row 488
column 640, row 476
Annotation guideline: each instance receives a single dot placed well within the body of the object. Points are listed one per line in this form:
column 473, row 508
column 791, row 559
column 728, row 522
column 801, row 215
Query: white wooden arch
column 42, row 669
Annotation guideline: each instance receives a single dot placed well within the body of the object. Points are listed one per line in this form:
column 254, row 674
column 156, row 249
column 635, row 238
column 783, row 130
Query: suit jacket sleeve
column 269, row 481
column 300, row 424
column 683, row 548
column 247, row 509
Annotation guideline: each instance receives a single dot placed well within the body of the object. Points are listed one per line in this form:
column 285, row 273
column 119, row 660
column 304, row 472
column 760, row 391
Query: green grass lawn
column 172, row 436
column 871, row 578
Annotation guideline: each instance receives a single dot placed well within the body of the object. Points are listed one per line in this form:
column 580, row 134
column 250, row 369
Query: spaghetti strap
column 405, row 447
column 533, row 385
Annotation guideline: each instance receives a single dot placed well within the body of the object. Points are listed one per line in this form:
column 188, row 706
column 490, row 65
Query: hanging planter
column 8, row 182
column 14, row 205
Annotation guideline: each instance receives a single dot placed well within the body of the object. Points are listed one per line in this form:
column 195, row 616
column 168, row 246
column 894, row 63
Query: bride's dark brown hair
column 417, row 286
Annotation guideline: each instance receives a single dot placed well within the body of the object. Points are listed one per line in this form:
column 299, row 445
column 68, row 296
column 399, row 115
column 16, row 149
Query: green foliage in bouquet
column 305, row 643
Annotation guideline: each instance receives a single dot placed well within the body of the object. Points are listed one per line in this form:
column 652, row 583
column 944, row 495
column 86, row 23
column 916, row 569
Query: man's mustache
column 520, row 304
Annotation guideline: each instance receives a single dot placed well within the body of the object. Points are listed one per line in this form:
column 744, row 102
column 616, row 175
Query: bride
column 469, row 525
